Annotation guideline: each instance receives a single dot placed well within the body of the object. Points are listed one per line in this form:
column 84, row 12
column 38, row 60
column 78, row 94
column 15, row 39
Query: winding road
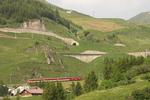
column 68, row 41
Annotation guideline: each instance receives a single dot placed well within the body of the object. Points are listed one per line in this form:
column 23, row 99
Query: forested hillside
column 18, row 11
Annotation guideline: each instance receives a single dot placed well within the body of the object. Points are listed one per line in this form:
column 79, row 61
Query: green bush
column 91, row 82
column 3, row 90
column 106, row 84
column 54, row 92
column 146, row 77
column 121, row 71
column 2, row 21
column 141, row 94
column 78, row 89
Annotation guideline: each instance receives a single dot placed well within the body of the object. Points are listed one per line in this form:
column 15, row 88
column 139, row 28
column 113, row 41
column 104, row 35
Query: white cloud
column 106, row 8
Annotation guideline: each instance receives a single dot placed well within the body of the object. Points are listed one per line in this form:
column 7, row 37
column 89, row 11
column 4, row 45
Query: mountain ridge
column 142, row 18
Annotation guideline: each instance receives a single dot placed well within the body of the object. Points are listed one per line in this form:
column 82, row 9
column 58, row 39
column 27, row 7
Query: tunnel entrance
column 74, row 44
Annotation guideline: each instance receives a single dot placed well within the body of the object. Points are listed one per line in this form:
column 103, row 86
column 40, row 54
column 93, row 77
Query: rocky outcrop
column 34, row 24
column 119, row 45
column 48, row 55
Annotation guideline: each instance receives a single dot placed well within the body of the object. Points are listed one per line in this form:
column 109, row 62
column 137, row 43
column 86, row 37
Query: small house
column 18, row 89
column 69, row 11
column 35, row 91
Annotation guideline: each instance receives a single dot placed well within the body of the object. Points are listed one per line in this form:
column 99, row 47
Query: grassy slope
column 29, row 98
column 15, row 59
column 17, row 62
column 57, row 28
column 142, row 18
column 118, row 93
column 88, row 22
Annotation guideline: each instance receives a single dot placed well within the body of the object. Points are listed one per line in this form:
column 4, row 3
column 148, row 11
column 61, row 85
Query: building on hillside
column 35, row 91
column 69, row 11
column 19, row 89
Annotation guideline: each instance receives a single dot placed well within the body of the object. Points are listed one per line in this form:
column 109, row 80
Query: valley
column 46, row 41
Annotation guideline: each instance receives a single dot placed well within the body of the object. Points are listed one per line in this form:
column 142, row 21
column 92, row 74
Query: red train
column 61, row 79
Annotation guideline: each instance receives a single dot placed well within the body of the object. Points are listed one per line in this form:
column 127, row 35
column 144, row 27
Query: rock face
column 49, row 57
column 34, row 24
column 119, row 45
column 48, row 54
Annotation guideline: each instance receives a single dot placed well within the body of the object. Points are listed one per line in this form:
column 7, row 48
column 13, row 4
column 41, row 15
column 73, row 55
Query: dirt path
column 68, row 41
column 138, row 54
column 11, row 37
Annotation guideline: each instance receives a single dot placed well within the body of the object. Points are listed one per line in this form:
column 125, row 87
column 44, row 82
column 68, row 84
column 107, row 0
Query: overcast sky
column 106, row 8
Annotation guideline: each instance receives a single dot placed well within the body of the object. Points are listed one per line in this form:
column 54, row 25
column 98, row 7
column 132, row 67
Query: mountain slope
column 143, row 18
column 22, row 55
column 88, row 22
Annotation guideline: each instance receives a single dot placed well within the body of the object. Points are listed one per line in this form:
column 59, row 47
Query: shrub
column 91, row 82
column 54, row 92
column 141, row 94
column 143, row 69
column 78, row 89
column 3, row 90
column 106, row 84
column 146, row 77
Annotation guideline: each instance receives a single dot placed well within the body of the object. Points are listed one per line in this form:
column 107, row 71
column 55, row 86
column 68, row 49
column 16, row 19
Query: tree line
column 121, row 71
column 55, row 91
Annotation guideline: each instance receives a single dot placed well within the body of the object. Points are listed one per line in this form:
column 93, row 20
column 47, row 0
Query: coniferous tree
column 73, row 86
column 91, row 82
column 78, row 89
column 108, row 68
column 3, row 90
column 54, row 92
column 50, row 92
column 108, row 72
column 60, row 92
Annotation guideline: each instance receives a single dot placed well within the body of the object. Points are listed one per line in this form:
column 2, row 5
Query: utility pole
column 15, row 36
column 10, row 78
